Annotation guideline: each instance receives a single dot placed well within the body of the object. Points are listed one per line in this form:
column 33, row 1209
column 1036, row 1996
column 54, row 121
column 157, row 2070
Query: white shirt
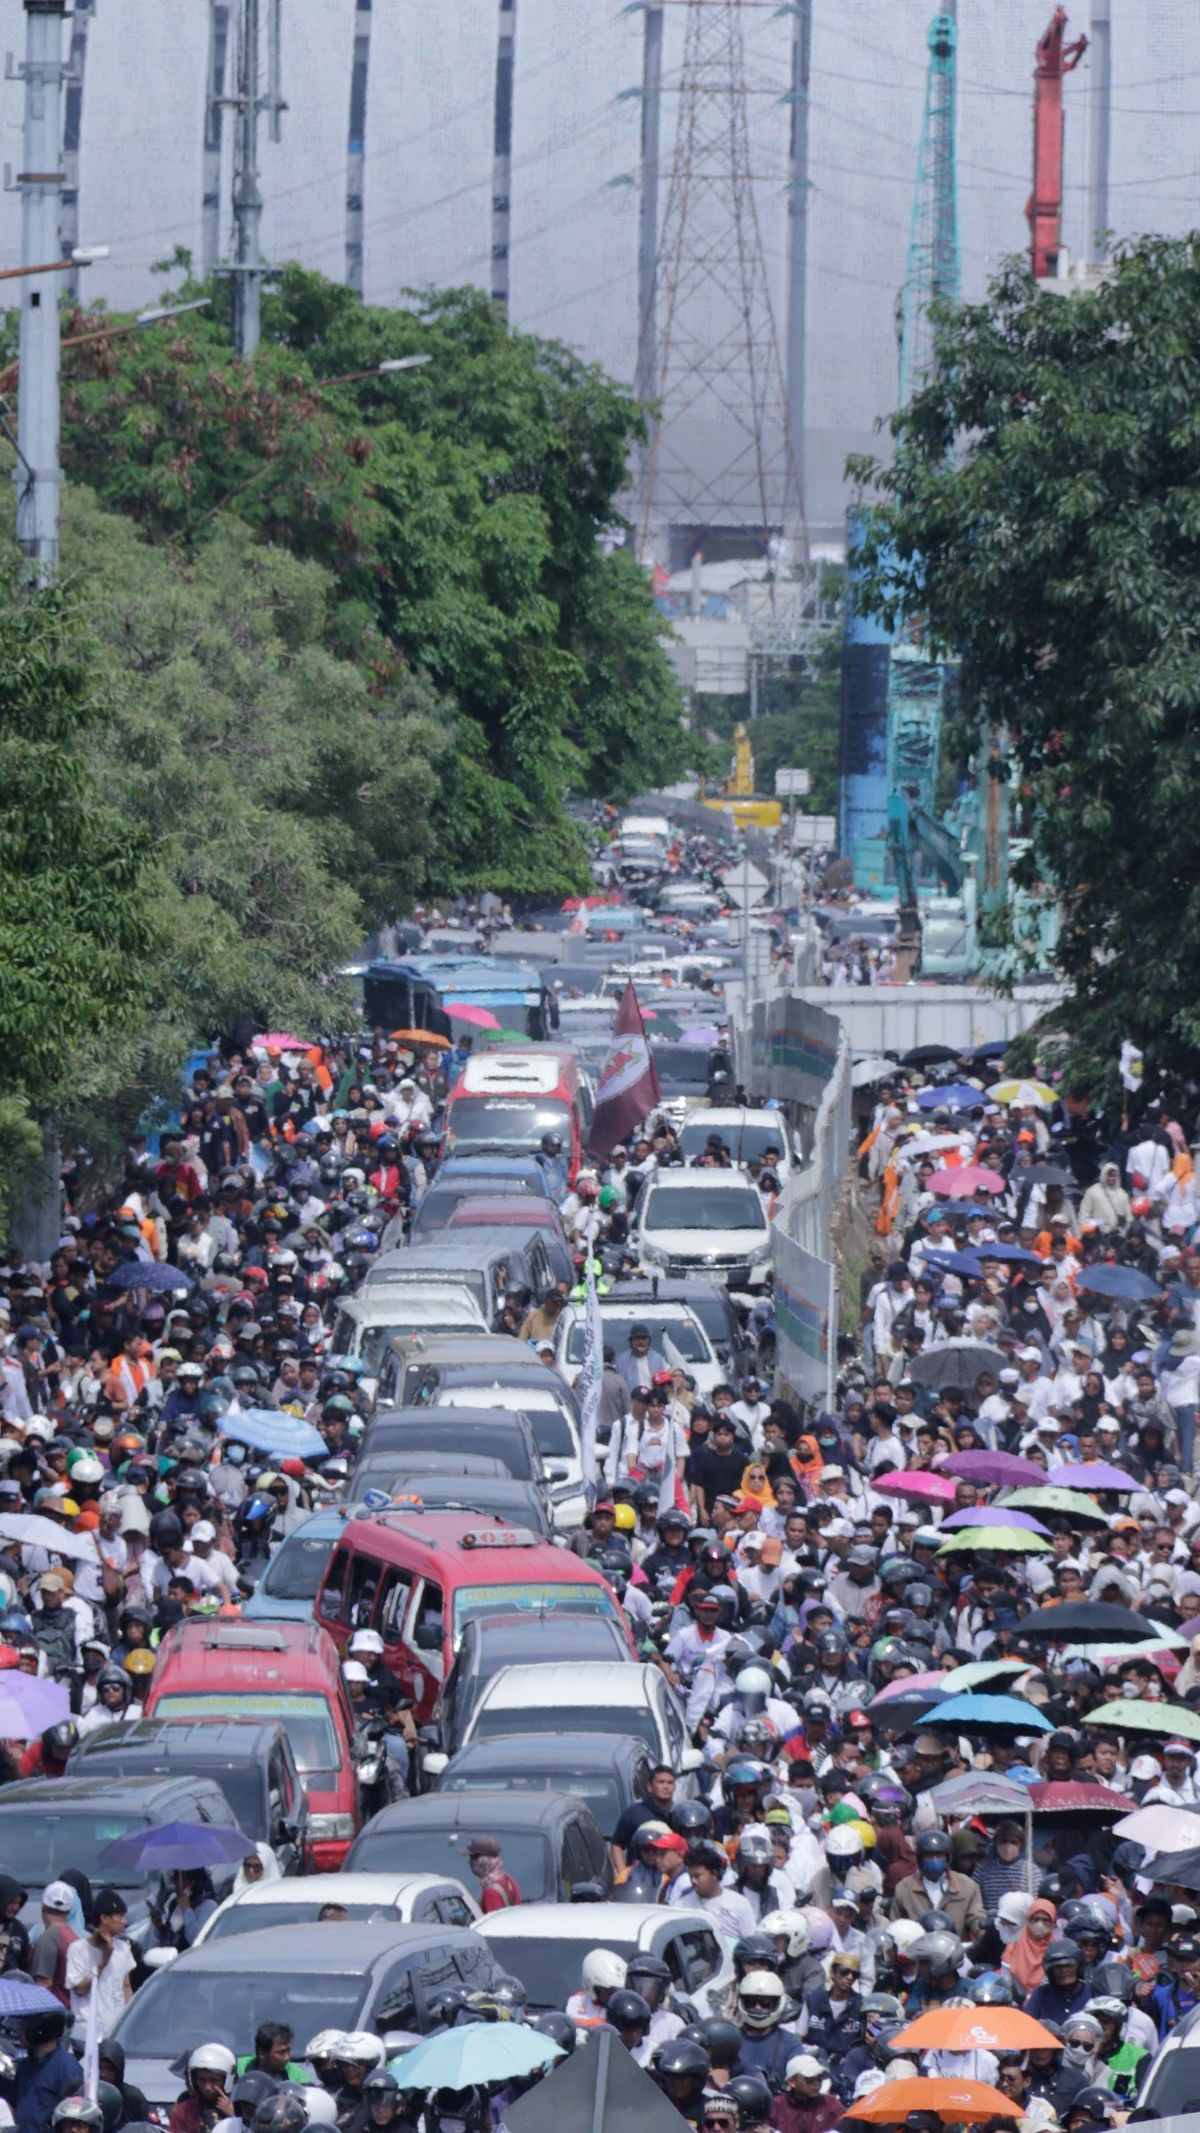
column 82, row 1965
column 729, row 1911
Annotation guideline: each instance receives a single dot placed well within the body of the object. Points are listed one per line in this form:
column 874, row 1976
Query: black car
column 493, row 1641
column 408, row 1432
column 493, row 1496
column 608, row 1770
column 549, row 1841
column 47, row 1824
column 250, row 1759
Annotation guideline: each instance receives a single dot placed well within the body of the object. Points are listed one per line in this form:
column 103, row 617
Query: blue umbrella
column 993, row 1050
column 19, row 1997
column 280, row 1436
column 953, row 1096
column 974, row 1714
column 968, row 1262
column 148, row 1274
column 478, row 2052
column 1121, row 1284
column 176, row 1846
column 958, row 1210
column 1011, row 1254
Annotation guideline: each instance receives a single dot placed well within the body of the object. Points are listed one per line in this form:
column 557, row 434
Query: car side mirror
column 558, row 1473
column 428, row 1635
column 691, row 1759
column 159, row 1958
column 434, row 1764
column 589, row 1892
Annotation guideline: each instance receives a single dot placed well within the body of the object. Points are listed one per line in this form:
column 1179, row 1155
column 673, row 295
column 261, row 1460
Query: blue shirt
column 41, row 2087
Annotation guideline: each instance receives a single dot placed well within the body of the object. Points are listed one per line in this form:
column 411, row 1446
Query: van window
column 431, row 1608
column 330, row 1606
column 342, row 1338
column 389, row 1374
column 359, row 1603
column 393, row 1604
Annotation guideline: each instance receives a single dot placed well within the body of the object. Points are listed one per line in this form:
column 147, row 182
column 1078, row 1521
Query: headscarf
column 270, row 1866
column 80, row 1918
column 1026, row 1958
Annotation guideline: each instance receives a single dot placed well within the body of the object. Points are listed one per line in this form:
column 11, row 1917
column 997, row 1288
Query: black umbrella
column 1044, row 1174
column 1088, row 1622
column 927, row 1055
column 901, row 1713
column 1182, row 1868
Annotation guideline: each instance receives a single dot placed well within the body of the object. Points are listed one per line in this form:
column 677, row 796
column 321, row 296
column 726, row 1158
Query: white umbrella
column 1161, row 1828
column 866, row 1072
column 34, row 1532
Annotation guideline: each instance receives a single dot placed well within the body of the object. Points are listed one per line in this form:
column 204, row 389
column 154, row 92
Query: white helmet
column 359, row 2048
column 366, row 1640
column 1011, row 1913
column 753, row 1685
column 6, row 2117
column 212, row 2059
column 903, row 1932
column 790, row 1926
column 843, row 1842
column 321, row 2108
column 88, row 1468
column 325, row 2045
column 760, row 1985
column 603, row 1971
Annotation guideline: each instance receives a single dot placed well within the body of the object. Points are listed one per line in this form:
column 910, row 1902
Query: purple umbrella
column 992, row 1514
column 701, row 1033
column 1094, row 1474
column 992, row 1469
column 28, row 1706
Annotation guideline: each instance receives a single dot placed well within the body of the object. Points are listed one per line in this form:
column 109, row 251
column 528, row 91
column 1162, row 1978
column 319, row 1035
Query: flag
column 592, row 1372
column 1133, row 1067
column 628, row 1088
column 666, row 1486
column 91, row 2047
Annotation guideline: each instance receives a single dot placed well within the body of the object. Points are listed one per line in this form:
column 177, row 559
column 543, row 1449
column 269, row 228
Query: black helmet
column 679, row 2056
column 647, row 1965
column 282, row 2113
column 446, row 2006
column 933, row 1844
column 755, row 1951
column 691, row 1819
column 994, row 1989
column 552, row 1143
column 721, row 2039
column 558, row 2027
column 1063, row 1950
column 44, row 2028
column 1097, row 2102
column 830, row 1644
column 60, row 1739
column 253, row 2087
column 628, row 2010
column 381, row 2083
column 166, row 1531
column 752, row 2096
column 111, row 2103
column 936, row 1922
column 1112, row 1980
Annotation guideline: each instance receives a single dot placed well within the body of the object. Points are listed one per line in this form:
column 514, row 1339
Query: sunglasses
column 839, row 1970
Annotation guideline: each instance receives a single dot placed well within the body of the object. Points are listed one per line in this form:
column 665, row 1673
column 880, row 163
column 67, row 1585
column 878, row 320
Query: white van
column 745, row 1133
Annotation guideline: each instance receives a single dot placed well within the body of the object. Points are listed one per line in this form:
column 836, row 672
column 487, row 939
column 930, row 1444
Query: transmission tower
column 932, row 273
column 721, row 453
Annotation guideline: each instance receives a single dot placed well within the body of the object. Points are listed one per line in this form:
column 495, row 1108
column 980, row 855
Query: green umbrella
column 1069, row 1502
column 1175, row 1721
column 1011, row 1540
column 503, row 1036
column 978, row 1671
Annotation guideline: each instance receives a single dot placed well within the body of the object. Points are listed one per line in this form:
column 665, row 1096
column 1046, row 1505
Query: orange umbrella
column 422, row 1036
column 957, row 2102
column 975, row 2029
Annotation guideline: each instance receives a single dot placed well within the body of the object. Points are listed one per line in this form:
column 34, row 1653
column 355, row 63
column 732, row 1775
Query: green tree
column 1042, row 510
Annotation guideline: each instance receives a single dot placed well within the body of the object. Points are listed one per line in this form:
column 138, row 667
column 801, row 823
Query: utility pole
column 799, row 186
column 506, row 58
column 1101, row 128
column 39, row 181
column 83, row 14
column 247, row 195
column 647, row 347
column 214, row 113
column 356, row 150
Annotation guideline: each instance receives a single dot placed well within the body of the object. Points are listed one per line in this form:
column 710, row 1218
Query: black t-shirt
column 717, row 1473
column 631, row 1820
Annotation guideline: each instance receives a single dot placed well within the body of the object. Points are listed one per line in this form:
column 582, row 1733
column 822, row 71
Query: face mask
column 1076, row 2054
column 935, row 1869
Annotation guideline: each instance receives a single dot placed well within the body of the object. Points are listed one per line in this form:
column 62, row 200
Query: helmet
column 680, row 2056
column 884, row 2005
column 843, row 1842
column 758, row 1736
column 992, row 1989
column 933, row 1844
column 1097, row 2102
column 936, row 1922
column 212, row 2059
column 830, row 1644
column 690, row 1819
column 1106, row 2007
column 284, row 2112
column 139, row 1661
column 625, row 1518
column 320, row 2105
column 650, row 1967
column 446, row 2006
column 327, row 2043
column 939, row 1954
column 752, row 2096
column 166, row 1531
column 752, row 1688
column 722, row 2040
column 253, row 2087
column 760, row 2000
column 1114, row 1981
column 744, row 1773
column 111, row 2103
column 112, row 1677
column 791, row 1926
column 78, row 2111
column 755, row 1847
column 558, row 2027
column 60, row 1739
column 1061, row 1951
column 603, row 1971
column 359, row 2048
column 628, row 2010
column 754, row 1951
column 503, row 2000
column 381, row 2083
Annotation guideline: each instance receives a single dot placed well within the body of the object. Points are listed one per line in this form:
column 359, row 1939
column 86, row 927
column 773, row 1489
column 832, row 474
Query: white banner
column 593, row 1365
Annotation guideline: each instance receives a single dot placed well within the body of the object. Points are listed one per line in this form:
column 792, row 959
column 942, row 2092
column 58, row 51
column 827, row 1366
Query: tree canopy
column 1042, row 513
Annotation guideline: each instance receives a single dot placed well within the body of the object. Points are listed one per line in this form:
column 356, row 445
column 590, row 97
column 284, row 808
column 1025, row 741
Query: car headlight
column 760, row 1253
column 322, row 1827
column 654, row 1253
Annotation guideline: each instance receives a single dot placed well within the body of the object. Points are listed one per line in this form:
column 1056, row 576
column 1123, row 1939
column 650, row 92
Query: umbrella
column 923, row 1055
column 28, row 1705
column 995, row 1048
column 968, row 2102
column 866, row 1072
column 992, row 1514
column 963, row 1211
column 971, row 1178
column 923, row 1488
column 954, row 1363
column 505, row 1036
column 1006, row 1540
column 176, row 1846
column 701, row 1035
column 1077, row 1799
column 905, row 1712
column 957, row 1095
column 1094, row 1474
column 982, row 1792
column 32, row 1531
column 991, row 1469
column 1183, row 1868
column 1091, row 1622
column 915, row 1685
column 278, row 1040
column 1162, row 1828
column 1171, row 1720
column 978, row 1671
column 968, row 1262
column 1121, row 1284
column 987, row 1714
column 19, row 1997
column 1045, row 1174
column 918, row 1143
column 1009, row 1254
column 1022, row 1092
column 1068, row 1503
column 426, row 1037
column 476, row 1017
column 477, row 2052
column 148, row 1274
column 281, row 1436
column 975, row 2029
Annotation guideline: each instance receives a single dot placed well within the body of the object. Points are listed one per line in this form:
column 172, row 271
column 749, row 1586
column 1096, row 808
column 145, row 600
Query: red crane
column 1043, row 211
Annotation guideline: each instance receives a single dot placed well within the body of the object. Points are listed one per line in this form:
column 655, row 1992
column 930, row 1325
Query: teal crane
column 932, row 272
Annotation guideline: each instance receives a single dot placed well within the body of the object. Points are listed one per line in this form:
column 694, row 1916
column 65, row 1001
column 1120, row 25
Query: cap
column 805, row 2066
column 58, row 1896
column 483, row 1848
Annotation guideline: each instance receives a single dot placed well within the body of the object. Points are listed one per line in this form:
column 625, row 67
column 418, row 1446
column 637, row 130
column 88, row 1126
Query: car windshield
column 548, row 1422
column 494, row 1720
column 375, row 1338
column 601, row 1792
column 179, row 2009
column 1174, row 2087
column 505, row 1122
column 306, row 1719
column 547, row 1967
column 681, row 1066
column 296, row 1572
column 675, row 1207
column 43, row 1844
column 472, row 1601
column 715, row 1313
column 526, row 1855
column 742, row 1141
column 679, row 1339
column 251, row 1917
column 509, row 1446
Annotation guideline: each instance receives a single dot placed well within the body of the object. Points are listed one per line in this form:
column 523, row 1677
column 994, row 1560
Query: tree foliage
column 1042, row 510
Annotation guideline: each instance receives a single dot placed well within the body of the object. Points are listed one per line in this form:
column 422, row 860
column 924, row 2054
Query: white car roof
column 612, row 1307
column 609, row 1681
column 379, row 1303
column 702, row 1180
column 593, row 1924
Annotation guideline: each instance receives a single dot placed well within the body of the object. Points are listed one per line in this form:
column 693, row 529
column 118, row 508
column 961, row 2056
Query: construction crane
column 1044, row 210
column 932, row 272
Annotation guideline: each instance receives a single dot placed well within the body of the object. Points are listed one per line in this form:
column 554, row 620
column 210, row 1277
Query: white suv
column 711, row 1223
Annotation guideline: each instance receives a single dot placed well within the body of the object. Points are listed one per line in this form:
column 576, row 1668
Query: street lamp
column 377, row 370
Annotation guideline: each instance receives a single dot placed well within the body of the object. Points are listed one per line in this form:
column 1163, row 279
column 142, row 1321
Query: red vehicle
column 514, row 1210
column 505, row 1101
column 285, row 1670
column 418, row 1577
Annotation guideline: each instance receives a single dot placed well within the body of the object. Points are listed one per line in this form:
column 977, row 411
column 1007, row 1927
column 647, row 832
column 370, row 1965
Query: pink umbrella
column 1093, row 1474
column 477, row 1017
column 971, row 1178
column 909, row 1685
column 993, row 1469
column 278, row 1040
column 992, row 1514
column 923, row 1488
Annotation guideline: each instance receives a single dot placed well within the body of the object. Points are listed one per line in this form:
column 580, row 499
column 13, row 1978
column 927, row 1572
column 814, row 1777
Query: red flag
column 628, row 1087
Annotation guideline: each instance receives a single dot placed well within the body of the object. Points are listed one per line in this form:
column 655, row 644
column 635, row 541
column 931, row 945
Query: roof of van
column 474, row 1347
column 230, row 1652
column 534, row 1069
column 503, row 1555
